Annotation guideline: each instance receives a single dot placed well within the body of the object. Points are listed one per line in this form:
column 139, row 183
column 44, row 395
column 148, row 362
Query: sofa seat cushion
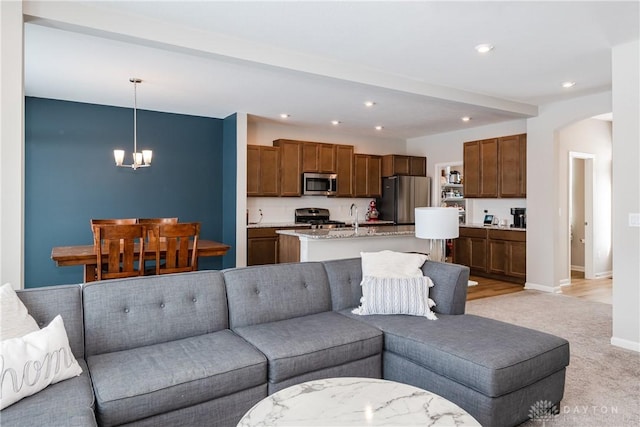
column 146, row 381
column 67, row 403
column 310, row 343
column 486, row 355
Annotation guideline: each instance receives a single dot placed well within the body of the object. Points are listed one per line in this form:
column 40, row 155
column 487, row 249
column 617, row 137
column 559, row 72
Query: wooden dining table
column 85, row 255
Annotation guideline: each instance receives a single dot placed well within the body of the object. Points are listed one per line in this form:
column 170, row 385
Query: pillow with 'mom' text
column 32, row 362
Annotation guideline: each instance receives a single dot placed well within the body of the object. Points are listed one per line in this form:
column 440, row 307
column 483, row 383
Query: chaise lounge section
column 204, row 347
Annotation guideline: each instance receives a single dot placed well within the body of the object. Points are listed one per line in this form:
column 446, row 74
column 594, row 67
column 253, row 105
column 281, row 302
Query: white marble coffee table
column 355, row 402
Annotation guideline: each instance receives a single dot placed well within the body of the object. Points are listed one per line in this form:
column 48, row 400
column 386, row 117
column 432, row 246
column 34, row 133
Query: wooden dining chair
column 110, row 221
column 174, row 241
column 123, row 247
column 149, row 222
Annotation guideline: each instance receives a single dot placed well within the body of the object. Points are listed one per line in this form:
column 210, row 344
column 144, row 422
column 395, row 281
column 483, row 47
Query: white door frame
column 589, row 187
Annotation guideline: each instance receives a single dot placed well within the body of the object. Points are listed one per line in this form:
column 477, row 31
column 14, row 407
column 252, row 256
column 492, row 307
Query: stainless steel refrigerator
column 400, row 195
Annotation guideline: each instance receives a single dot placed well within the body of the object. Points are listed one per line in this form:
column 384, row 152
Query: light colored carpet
column 603, row 382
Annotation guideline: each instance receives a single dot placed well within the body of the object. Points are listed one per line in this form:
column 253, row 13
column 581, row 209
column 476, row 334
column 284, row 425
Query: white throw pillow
column 15, row 320
column 388, row 295
column 391, row 264
column 32, row 362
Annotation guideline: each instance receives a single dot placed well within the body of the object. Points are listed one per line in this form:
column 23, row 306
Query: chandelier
column 142, row 159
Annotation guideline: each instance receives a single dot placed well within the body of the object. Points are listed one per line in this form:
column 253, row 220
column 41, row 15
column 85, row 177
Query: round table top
column 355, row 402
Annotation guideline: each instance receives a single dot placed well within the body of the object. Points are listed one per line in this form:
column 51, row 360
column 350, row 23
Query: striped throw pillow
column 394, row 295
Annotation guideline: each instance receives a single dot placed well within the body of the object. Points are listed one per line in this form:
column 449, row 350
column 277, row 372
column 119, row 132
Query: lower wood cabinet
column 288, row 248
column 470, row 249
column 263, row 246
column 507, row 253
column 501, row 254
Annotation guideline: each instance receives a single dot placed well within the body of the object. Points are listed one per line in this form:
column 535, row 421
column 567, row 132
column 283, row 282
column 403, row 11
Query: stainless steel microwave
column 319, row 184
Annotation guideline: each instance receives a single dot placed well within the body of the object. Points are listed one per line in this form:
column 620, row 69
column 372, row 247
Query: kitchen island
column 339, row 243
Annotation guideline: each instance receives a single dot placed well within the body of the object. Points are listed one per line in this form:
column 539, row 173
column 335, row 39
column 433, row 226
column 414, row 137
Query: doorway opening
column 581, row 225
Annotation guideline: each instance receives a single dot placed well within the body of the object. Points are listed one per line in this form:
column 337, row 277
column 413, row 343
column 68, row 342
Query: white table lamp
column 437, row 224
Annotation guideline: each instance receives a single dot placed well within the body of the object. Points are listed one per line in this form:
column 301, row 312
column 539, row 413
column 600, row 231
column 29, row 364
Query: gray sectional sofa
column 202, row 348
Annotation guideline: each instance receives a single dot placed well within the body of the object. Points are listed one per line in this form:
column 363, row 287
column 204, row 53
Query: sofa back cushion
column 449, row 291
column 129, row 313
column 45, row 303
column 344, row 276
column 270, row 293
column 450, row 284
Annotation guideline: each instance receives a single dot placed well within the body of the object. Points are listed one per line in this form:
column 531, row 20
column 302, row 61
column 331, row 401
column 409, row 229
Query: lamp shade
column 436, row 223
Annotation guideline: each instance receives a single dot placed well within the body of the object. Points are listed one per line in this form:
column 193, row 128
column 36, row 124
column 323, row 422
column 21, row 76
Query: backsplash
column 500, row 208
column 282, row 209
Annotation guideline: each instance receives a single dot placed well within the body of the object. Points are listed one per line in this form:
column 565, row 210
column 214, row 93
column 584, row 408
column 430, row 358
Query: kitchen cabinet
column 344, row 170
column 507, row 253
column 290, row 167
column 512, row 166
column 263, row 245
column 367, row 175
column 396, row 164
column 263, row 166
column 493, row 252
column 318, row 157
column 496, row 167
column 480, row 164
column 288, row 248
column 470, row 249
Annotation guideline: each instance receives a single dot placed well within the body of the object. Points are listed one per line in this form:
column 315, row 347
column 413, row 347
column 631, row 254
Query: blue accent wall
column 229, row 169
column 71, row 177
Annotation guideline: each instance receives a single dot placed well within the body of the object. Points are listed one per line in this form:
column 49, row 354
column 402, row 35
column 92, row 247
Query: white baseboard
column 629, row 345
column 565, row 282
column 604, row 275
column 543, row 288
column 577, row 268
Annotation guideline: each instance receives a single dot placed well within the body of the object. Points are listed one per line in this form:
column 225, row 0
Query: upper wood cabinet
column 367, row 175
column 344, row 169
column 480, row 164
column 290, row 167
column 263, row 165
column 495, row 167
column 318, row 157
column 395, row 164
column 512, row 171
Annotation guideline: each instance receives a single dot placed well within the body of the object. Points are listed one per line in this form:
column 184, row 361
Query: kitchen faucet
column 355, row 223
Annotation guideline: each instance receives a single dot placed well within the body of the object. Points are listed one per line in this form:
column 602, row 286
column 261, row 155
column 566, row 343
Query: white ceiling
column 319, row 61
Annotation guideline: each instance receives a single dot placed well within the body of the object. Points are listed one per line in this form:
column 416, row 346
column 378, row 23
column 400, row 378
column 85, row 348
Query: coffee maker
column 519, row 217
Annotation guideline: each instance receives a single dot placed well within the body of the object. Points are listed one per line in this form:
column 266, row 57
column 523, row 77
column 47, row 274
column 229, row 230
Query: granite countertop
column 276, row 225
column 298, row 225
column 369, row 223
column 492, row 227
column 349, row 233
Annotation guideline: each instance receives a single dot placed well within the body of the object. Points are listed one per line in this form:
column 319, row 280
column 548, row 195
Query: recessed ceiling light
column 567, row 85
column 379, row 127
column 466, row 118
column 284, row 116
column 484, row 48
column 335, row 122
column 369, row 104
